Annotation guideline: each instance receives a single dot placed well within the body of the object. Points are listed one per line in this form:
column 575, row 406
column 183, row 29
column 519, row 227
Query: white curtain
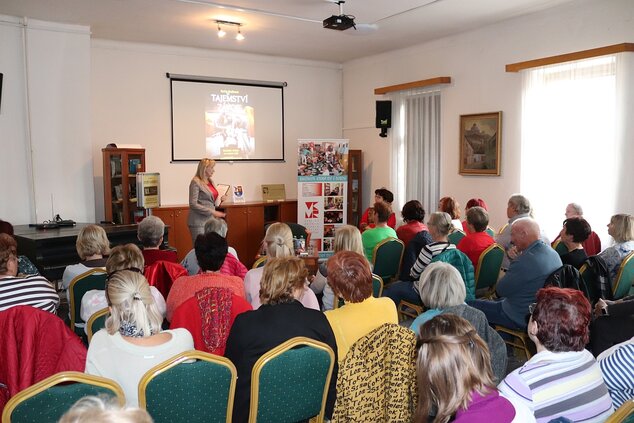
column 416, row 148
column 570, row 149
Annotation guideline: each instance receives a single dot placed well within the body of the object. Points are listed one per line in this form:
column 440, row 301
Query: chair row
column 198, row 387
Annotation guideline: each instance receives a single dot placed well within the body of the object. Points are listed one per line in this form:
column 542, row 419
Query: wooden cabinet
column 179, row 236
column 120, row 166
column 355, row 186
column 246, row 222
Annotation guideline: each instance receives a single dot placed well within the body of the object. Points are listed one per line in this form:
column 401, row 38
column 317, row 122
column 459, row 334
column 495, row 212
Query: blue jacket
column 525, row 277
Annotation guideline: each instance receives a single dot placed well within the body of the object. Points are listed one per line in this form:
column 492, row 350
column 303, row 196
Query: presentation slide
column 226, row 121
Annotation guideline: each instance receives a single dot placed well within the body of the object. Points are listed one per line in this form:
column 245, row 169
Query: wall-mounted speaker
column 383, row 116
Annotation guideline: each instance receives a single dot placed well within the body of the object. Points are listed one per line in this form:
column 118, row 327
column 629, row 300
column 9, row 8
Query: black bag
column 598, row 275
column 568, row 276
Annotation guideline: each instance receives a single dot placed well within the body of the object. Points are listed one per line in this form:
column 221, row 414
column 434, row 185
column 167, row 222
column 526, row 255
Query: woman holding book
column 203, row 198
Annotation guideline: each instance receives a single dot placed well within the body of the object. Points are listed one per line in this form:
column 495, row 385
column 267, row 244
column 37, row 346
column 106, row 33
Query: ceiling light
column 221, row 32
column 239, row 35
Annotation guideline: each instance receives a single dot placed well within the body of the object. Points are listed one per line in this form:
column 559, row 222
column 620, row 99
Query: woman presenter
column 203, row 198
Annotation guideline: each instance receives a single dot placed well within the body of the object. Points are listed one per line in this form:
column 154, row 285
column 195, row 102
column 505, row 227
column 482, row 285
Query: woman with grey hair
column 132, row 341
column 442, row 290
column 218, row 226
column 439, row 226
column 150, row 233
column 103, row 409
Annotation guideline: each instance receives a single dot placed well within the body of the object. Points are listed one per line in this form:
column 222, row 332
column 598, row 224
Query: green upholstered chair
column 96, row 321
column 622, row 286
column 624, row 414
column 92, row 279
column 488, row 269
column 290, row 382
column 455, row 236
column 386, row 259
column 49, row 399
column 490, row 231
column 192, row 386
column 560, row 247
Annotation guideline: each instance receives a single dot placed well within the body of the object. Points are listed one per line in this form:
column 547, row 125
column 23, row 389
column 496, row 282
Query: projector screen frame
column 227, row 81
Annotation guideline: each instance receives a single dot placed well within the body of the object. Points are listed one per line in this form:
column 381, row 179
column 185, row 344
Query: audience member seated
column 150, row 233
column 350, row 277
column 122, row 257
column 477, row 239
column 412, row 252
column 575, row 231
column 280, row 318
column 347, row 238
column 621, row 228
column 231, row 266
column 132, row 341
column 442, row 291
column 381, row 195
column 562, row 379
column 527, row 274
column 455, row 381
column 373, row 236
column 33, row 290
column 613, row 323
column 518, row 207
column 474, row 202
column 413, row 215
column 208, row 316
column 103, row 409
column 450, row 206
column 278, row 242
column 25, row 266
column 617, row 366
column 92, row 246
column 439, row 225
column 211, row 250
column 592, row 244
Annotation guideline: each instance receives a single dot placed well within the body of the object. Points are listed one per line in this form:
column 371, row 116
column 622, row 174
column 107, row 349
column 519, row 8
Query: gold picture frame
column 480, row 144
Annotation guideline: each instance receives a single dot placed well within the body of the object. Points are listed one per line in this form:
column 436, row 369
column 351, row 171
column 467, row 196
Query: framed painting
column 480, row 144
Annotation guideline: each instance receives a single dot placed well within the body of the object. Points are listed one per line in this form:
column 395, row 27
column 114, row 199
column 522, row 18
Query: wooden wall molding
column 411, row 85
column 569, row 57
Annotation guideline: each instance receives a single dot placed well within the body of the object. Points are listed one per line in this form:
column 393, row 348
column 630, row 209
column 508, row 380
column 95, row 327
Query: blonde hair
column 103, row 409
column 348, row 238
column 441, row 286
column 281, row 278
column 131, row 301
column 92, row 239
column 623, row 227
column 125, row 257
column 279, row 240
column 441, row 221
column 453, row 361
column 203, row 164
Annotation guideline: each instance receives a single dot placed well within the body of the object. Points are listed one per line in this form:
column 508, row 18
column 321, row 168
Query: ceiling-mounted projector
column 340, row 22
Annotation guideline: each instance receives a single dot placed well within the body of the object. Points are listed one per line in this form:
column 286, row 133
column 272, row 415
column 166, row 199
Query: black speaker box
column 383, row 114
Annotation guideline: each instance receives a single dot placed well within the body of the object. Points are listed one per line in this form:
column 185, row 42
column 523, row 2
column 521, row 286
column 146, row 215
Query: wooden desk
column 51, row 250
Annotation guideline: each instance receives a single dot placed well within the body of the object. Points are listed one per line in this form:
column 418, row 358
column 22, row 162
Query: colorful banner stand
column 322, row 181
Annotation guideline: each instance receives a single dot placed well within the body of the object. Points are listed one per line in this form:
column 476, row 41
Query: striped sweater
column 617, row 365
column 566, row 384
column 427, row 253
column 32, row 290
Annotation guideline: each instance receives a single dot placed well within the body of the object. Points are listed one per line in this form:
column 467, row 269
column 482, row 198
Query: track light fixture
column 222, row 32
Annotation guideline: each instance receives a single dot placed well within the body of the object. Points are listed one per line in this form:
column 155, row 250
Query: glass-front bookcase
column 120, row 166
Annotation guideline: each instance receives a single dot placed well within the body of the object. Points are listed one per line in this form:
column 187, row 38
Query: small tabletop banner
column 322, row 179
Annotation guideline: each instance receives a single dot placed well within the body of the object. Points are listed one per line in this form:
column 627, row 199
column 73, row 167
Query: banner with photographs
column 322, row 190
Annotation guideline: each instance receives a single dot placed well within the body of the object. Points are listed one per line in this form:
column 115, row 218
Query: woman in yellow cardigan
column 350, row 277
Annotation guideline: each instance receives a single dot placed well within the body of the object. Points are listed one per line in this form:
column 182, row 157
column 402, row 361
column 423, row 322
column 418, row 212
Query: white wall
column 45, row 121
column 476, row 62
column 131, row 104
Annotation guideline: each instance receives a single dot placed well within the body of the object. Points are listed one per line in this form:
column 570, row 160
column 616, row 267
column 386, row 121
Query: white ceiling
column 290, row 28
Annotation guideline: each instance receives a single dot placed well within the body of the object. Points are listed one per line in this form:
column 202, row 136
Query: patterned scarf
column 215, row 313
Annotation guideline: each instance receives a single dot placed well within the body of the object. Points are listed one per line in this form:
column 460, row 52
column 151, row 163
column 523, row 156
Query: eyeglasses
column 531, row 308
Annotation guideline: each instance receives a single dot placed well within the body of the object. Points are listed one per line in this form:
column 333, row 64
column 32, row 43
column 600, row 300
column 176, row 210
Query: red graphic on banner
column 312, row 211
